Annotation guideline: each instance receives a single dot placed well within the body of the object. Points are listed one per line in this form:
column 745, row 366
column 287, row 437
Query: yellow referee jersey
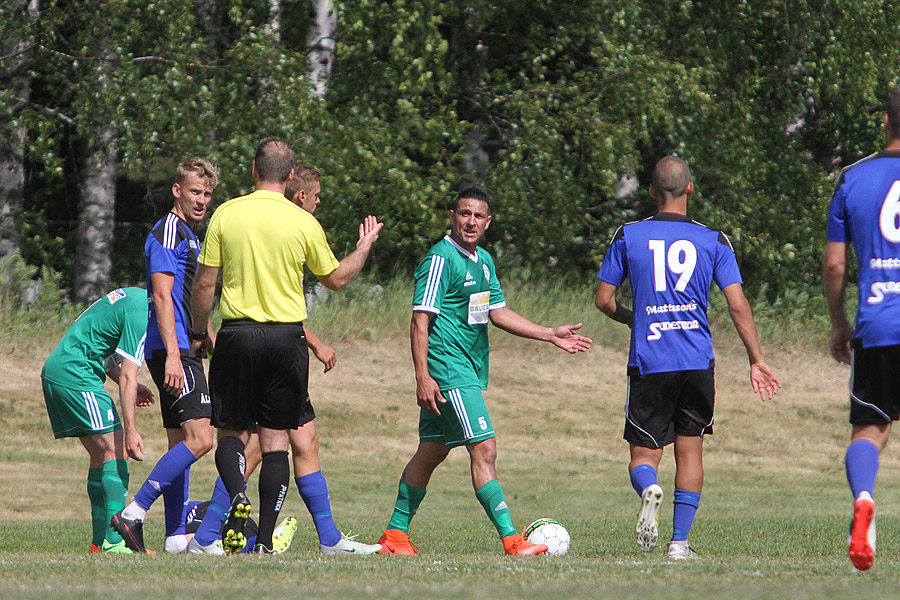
column 261, row 242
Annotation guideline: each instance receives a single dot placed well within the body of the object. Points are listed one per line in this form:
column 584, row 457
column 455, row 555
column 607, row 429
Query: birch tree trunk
column 273, row 25
column 96, row 216
column 17, row 84
column 320, row 46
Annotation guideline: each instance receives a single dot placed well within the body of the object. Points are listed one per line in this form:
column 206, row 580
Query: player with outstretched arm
column 456, row 294
column 671, row 261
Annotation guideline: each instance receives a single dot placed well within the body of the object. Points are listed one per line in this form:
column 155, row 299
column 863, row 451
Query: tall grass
column 369, row 310
column 35, row 307
column 32, row 307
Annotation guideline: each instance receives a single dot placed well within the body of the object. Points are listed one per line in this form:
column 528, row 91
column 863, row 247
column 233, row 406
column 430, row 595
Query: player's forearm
column 742, row 316
column 606, row 302
column 114, row 374
column 834, row 278
column 204, row 294
column 349, row 268
column 312, row 340
column 128, row 394
column 512, row 322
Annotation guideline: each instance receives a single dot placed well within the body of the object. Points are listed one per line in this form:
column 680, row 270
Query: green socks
column 114, row 481
column 99, row 520
column 408, row 499
column 491, row 498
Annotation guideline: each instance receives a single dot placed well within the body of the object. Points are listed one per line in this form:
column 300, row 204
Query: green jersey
column 460, row 289
column 115, row 324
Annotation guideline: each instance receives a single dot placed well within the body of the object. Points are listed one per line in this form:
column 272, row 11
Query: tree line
column 560, row 108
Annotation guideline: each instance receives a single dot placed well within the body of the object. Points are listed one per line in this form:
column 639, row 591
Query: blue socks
column 686, row 504
column 170, row 468
column 211, row 526
column 175, row 499
column 314, row 492
column 862, row 467
column 641, row 477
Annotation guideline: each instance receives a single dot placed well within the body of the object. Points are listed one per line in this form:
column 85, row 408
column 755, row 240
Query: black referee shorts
column 660, row 406
column 259, row 375
column 874, row 384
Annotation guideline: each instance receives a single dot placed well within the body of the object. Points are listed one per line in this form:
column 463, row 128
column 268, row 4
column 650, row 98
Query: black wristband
column 198, row 335
column 623, row 315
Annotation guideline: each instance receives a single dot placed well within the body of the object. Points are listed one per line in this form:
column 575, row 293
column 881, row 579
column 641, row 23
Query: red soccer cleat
column 862, row 532
column 394, row 541
column 516, row 544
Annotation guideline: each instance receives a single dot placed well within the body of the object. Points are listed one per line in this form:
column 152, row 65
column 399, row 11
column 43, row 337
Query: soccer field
column 772, row 522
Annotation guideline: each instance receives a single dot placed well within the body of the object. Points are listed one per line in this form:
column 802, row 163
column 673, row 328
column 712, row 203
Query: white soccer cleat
column 861, row 545
column 680, row 551
column 176, row 544
column 647, row 530
column 214, row 549
column 349, row 546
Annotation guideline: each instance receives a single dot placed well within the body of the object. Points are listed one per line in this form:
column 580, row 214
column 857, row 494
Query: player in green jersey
column 111, row 330
column 457, row 293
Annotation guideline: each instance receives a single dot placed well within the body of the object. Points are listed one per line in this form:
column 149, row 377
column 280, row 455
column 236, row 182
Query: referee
column 259, row 371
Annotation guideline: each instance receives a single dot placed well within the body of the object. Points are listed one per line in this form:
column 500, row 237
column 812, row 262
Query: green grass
column 743, row 557
column 772, row 521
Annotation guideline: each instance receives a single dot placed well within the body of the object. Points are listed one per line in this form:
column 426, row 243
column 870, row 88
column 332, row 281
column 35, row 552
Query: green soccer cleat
column 119, row 548
column 283, row 535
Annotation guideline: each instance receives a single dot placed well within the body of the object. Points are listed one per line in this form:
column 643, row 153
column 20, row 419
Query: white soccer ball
column 550, row 532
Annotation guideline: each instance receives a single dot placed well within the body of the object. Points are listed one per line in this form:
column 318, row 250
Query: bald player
column 671, row 262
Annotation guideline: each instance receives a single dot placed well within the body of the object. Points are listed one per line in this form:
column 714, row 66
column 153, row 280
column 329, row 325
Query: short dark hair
column 893, row 112
column 473, row 193
column 305, row 178
column 671, row 177
column 274, row 160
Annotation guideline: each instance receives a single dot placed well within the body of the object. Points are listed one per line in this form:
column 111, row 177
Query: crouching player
column 78, row 406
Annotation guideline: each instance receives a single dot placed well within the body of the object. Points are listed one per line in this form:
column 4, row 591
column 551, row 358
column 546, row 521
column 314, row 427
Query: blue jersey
column 671, row 262
column 865, row 210
column 172, row 248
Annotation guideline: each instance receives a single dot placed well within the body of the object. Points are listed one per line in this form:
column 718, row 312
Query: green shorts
column 77, row 414
column 463, row 420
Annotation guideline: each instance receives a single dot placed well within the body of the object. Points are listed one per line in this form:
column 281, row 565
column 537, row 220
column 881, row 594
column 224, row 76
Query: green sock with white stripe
column 490, row 495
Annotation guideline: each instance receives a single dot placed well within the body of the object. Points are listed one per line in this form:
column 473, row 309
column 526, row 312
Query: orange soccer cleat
column 516, row 544
column 861, row 545
column 394, row 541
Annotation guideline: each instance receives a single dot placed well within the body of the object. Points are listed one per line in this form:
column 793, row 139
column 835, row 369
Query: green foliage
column 30, row 307
column 765, row 99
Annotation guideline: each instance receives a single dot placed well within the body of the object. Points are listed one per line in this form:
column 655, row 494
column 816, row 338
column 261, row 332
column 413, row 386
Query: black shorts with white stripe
column 660, row 406
column 874, row 384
